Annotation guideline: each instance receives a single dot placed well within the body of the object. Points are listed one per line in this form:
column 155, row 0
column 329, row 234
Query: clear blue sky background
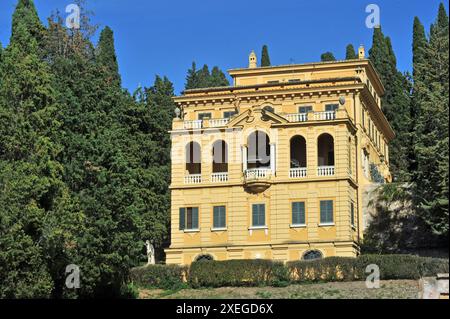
column 164, row 37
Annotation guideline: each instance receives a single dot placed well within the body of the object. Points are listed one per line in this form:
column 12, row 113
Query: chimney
column 252, row 61
column 361, row 52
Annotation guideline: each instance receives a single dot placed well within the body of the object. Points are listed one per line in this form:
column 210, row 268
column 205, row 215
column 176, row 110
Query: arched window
column 220, row 157
column 325, row 150
column 258, row 150
column 312, row 255
column 204, row 257
column 193, row 158
column 298, row 152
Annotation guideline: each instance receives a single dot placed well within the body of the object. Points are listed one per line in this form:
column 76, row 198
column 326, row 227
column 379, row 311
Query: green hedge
column 160, row 276
column 238, row 273
column 391, row 267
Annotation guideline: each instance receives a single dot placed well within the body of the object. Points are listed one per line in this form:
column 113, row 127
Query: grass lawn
column 389, row 289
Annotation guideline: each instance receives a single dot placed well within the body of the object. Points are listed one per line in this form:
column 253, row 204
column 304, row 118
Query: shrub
column 238, row 273
column 160, row 276
column 327, row 269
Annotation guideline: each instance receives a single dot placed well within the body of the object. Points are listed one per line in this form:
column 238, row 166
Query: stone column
column 244, row 157
column 273, row 164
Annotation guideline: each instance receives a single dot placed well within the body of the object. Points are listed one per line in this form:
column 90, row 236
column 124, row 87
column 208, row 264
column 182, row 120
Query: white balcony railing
column 193, row 179
column 219, row 177
column 297, row 172
column 258, row 173
column 193, row 124
column 297, row 117
column 218, row 122
column 325, row 116
column 325, row 171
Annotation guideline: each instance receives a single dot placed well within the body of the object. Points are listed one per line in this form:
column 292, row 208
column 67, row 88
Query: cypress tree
column 106, row 55
column 204, row 77
column 38, row 217
column 265, row 59
column 395, row 102
column 327, row 56
column 350, row 52
column 431, row 87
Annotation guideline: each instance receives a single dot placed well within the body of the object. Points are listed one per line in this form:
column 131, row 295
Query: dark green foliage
column 265, row 59
column 203, row 78
column 106, row 56
column 430, row 135
column 160, row 276
column 237, row 273
column 392, row 267
column 84, row 168
column 327, row 57
column 350, row 52
column 395, row 103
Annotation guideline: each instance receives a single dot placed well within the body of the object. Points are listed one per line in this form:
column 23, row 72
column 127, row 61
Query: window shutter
column 182, row 218
column 195, row 218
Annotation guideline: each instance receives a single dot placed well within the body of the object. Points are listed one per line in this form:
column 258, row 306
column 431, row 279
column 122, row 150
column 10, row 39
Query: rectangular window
column 305, row 109
column 298, row 213
column 326, row 212
column 188, row 218
column 202, row 116
column 273, row 82
column 258, row 215
column 294, row 81
column 219, row 218
column 229, row 114
column 331, row 107
column 352, row 213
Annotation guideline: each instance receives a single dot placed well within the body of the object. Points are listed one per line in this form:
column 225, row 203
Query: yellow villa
column 277, row 165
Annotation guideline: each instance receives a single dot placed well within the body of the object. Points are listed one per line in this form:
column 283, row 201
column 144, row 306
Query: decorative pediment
column 256, row 114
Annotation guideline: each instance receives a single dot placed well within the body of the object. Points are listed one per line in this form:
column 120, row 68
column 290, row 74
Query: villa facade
column 276, row 165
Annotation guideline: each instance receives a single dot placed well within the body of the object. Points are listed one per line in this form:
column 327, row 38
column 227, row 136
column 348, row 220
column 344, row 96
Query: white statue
column 150, row 253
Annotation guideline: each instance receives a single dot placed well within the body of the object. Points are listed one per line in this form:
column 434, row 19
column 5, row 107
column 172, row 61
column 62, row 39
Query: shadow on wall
column 395, row 227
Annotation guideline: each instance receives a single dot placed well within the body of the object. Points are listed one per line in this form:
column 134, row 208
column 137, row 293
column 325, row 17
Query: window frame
column 253, row 225
column 327, row 223
column 335, row 107
column 229, row 117
column 183, row 222
column 201, row 115
column 298, row 225
column 219, row 227
column 307, row 108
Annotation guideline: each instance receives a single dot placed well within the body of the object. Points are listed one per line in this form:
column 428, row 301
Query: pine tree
column 395, row 103
column 192, row 81
column 350, row 52
column 327, row 56
column 218, row 78
column 431, row 88
column 204, row 77
column 265, row 59
column 106, row 55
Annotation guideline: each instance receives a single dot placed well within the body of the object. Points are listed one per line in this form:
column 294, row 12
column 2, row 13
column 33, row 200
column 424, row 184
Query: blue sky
column 164, row 37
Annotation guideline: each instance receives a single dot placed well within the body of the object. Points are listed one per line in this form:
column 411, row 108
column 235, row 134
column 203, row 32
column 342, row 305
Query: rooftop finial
column 361, row 52
column 252, row 60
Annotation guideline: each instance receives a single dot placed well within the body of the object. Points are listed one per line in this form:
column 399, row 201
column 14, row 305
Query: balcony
column 311, row 116
column 219, row 177
column 298, row 172
column 197, row 124
column 325, row 171
column 193, row 179
column 257, row 180
column 218, row 122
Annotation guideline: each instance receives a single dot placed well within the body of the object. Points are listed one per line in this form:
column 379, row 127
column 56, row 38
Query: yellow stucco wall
column 355, row 140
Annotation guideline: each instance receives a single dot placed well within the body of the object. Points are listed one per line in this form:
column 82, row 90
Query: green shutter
column 298, row 213
column 194, row 217
column 219, row 218
column 326, row 211
column 182, row 218
column 259, row 215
